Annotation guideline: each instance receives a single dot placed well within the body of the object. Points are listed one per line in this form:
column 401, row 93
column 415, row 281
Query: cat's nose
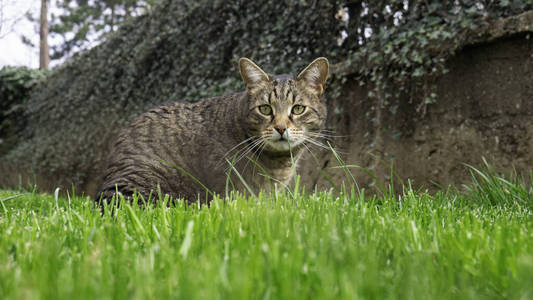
column 280, row 128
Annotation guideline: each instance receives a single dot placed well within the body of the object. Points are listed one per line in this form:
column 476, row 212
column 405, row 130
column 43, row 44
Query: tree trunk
column 112, row 17
column 44, row 54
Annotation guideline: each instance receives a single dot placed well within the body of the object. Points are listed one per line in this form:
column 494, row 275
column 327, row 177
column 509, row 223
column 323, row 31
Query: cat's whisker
column 316, row 143
column 258, row 146
column 316, row 134
column 259, row 149
column 312, row 139
column 328, row 131
column 247, row 150
column 312, row 154
column 321, row 145
column 236, row 146
column 334, row 133
column 255, row 149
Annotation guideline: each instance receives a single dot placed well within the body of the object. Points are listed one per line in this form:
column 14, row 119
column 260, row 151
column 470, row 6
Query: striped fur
column 157, row 150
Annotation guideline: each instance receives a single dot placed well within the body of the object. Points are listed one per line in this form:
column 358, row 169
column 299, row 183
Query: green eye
column 265, row 109
column 298, row 109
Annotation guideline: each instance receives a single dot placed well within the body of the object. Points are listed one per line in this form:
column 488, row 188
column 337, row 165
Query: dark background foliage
column 16, row 84
column 399, row 46
column 187, row 50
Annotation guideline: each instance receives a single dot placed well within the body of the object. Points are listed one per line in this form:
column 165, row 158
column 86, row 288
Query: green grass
column 323, row 245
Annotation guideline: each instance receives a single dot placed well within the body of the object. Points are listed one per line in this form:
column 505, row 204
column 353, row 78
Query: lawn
column 474, row 242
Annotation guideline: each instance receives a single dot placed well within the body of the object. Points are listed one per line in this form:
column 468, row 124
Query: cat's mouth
column 282, row 144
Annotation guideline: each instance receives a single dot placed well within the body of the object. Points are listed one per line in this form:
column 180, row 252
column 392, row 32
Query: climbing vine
column 15, row 87
column 186, row 50
column 402, row 46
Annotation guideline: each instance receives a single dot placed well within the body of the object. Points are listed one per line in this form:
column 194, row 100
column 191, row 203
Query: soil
column 483, row 110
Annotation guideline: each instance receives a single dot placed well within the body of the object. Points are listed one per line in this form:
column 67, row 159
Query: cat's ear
column 314, row 75
column 252, row 75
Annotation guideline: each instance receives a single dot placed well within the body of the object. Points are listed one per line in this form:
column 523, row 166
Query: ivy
column 15, row 86
column 187, row 50
column 408, row 43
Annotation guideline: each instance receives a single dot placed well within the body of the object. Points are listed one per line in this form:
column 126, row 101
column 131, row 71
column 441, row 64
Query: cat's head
column 285, row 111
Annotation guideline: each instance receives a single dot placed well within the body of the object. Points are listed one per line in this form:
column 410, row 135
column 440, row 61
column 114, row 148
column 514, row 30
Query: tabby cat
column 256, row 136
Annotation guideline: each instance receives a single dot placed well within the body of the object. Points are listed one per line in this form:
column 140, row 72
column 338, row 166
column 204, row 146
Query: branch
column 9, row 24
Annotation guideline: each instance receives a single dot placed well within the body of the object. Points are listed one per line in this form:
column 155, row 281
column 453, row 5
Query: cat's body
column 257, row 129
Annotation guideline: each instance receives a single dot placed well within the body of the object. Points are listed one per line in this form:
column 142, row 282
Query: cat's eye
column 298, row 109
column 265, row 110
